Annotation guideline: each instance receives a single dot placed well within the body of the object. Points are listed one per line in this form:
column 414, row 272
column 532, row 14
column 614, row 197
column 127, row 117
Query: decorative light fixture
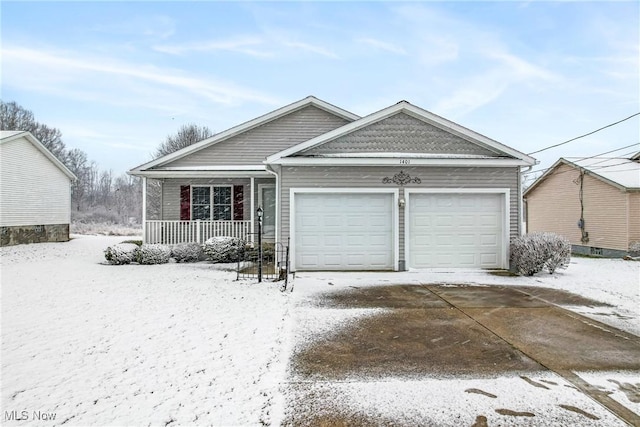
column 260, row 212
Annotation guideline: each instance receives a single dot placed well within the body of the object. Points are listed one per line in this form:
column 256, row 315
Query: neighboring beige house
column 594, row 202
column 35, row 190
column 400, row 188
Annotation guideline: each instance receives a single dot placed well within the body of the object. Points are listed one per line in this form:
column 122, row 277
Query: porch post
column 144, row 209
column 253, row 208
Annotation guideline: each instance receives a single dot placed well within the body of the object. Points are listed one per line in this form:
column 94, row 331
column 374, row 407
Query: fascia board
column 34, row 141
column 466, row 133
column 246, row 126
column 416, row 112
column 563, row 161
column 159, row 174
column 542, row 177
column 595, row 175
column 343, row 130
column 385, row 161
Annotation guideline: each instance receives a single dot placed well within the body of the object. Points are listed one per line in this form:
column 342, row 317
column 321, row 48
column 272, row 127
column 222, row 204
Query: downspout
column 522, row 171
column 274, row 173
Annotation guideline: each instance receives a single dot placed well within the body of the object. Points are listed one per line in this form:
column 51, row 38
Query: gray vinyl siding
column 34, row 190
column 253, row 146
column 400, row 133
column 171, row 193
column 371, row 177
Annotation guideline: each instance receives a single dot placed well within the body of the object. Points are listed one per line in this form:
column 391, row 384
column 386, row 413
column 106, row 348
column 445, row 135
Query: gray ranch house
column 398, row 189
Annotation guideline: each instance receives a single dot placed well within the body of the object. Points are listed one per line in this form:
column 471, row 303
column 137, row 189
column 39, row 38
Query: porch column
column 144, row 209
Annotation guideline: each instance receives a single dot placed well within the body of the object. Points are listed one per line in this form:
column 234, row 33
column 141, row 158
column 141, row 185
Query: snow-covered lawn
column 136, row 345
column 184, row 344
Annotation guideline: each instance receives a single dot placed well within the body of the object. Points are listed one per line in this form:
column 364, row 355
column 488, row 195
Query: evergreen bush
column 121, row 253
column 187, row 252
column 222, row 249
column 154, row 254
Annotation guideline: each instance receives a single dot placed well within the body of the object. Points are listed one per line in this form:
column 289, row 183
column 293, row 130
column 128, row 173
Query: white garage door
column 344, row 231
column 456, row 230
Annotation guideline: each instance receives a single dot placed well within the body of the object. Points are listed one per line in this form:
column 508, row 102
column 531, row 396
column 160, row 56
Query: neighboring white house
column 35, row 190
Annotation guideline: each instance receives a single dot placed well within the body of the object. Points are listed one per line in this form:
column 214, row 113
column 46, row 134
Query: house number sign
column 401, row 178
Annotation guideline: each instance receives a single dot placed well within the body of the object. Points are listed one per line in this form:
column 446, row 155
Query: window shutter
column 185, row 202
column 238, row 202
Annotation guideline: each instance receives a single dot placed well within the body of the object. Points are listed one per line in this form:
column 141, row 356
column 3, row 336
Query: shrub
column 534, row 252
column 634, row 248
column 154, row 254
column 222, row 249
column 186, row 252
column 121, row 253
column 251, row 252
column 135, row 242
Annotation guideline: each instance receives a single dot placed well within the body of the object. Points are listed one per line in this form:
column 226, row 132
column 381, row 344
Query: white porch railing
column 173, row 232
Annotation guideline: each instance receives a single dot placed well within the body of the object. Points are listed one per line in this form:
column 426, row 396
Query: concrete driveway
column 416, row 333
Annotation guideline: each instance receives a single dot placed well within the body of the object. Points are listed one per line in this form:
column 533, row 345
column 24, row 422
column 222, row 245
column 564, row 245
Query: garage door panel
column 355, row 231
column 455, row 230
column 490, row 258
column 489, row 240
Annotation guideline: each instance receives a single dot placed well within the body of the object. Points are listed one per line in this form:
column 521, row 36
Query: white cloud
column 156, row 27
column 248, row 45
column 60, row 68
column 307, row 47
column 378, row 44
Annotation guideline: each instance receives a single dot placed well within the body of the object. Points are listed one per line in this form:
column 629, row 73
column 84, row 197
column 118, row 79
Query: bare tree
column 14, row 117
column 186, row 136
column 78, row 164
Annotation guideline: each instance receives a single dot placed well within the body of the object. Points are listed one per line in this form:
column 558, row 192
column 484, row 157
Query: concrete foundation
column 598, row 252
column 23, row 234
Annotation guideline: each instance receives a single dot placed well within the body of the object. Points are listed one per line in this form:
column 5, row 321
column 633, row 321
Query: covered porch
column 182, row 208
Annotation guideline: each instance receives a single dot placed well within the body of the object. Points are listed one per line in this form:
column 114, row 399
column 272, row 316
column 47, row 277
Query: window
column 222, row 203
column 201, row 203
column 212, row 203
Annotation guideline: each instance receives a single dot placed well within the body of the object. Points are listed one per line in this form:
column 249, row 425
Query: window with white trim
column 201, row 203
column 222, row 203
column 212, row 203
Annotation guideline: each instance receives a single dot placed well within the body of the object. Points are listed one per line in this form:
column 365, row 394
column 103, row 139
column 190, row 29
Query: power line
column 586, row 134
column 587, row 158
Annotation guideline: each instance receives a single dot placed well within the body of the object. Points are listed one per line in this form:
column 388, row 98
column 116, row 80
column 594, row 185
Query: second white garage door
column 344, row 231
column 456, row 230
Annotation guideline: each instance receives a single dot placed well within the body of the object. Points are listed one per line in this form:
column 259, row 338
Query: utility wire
column 586, row 134
column 590, row 157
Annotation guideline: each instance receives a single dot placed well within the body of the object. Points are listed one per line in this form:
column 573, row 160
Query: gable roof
column 246, row 126
column 11, row 135
column 622, row 173
column 403, row 107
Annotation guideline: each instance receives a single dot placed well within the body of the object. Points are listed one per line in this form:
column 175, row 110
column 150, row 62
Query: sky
column 118, row 77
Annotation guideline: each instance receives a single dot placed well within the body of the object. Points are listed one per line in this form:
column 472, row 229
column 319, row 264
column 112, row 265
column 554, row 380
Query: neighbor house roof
column 11, row 135
column 623, row 173
column 419, row 113
column 259, row 121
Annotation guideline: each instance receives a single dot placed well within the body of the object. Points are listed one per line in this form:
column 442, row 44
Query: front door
column 267, row 200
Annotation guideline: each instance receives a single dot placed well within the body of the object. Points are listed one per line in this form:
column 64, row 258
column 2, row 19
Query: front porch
column 186, row 210
column 198, row 231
